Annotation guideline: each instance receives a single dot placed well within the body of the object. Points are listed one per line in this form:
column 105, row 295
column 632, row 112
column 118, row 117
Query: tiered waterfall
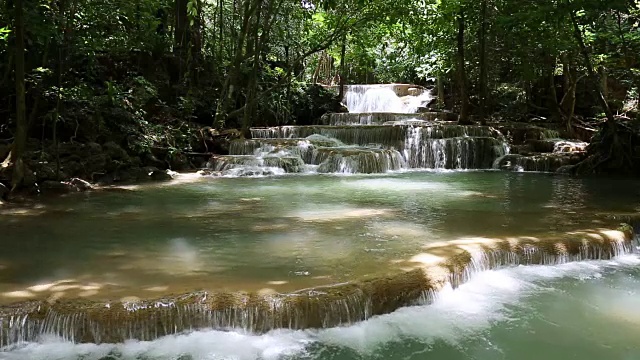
column 383, row 131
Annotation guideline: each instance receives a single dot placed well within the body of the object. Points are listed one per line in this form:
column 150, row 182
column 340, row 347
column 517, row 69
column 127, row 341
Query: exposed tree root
column 612, row 151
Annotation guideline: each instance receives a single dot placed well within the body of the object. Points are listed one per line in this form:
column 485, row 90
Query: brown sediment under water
column 293, row 252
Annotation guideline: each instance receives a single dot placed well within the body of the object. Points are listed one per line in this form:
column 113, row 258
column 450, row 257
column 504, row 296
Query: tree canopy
column 89, row 70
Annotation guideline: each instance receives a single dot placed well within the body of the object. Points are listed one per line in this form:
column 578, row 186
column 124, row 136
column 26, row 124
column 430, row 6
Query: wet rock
column 72, row 167
column 29, row 179
column 80, row 185
column 45, row 171
column 4, row 191
column 56, row 187
column 4, row 151
column 566, row 169
column 115, row 152
column 523, row 133
column 152, row 160
column 179, row 162
column 160, row 175
column 557, row 145
column 94, row 164
column 540, row 162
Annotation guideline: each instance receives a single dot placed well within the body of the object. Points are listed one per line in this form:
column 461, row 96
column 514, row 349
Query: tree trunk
column 552, row 94
column 180, row 36
column 440, row 92
column 230, row 83
column 21, row 119
column 603, row 78
column 249, row 110
column 462, row 75
column 568, row 103
column 592, row 74
column 343, row 75
column 220, row 29
column 483, row 63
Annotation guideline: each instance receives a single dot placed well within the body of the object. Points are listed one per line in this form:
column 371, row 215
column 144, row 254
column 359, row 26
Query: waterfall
column 322, row 307
column 422, row 146
column 382, row 99
column 382, row 132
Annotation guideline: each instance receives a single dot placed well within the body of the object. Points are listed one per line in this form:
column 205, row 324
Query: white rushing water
column 491, row 298
column 382, row 98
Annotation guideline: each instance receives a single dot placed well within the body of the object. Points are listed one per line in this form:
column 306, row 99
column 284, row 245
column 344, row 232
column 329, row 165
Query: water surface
column 279, row 234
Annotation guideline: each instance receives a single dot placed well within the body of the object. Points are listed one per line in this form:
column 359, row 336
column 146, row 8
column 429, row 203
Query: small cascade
column 551, row 162
column 322, row 307
column 384, row 118
column 249, row 165
column 454, row 153
column 351, row 160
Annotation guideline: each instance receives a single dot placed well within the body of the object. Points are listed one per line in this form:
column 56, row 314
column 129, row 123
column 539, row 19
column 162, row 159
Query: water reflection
column 243, row 234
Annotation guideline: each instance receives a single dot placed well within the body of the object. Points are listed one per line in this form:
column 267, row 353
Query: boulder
column 4, row 151
column 45, row 171
column 56, row 187
column 152, row 160
column 546, row 162
column 4, row 191
column 160, row 175
column 80, row 185
column 115, row 152
column 179, row 162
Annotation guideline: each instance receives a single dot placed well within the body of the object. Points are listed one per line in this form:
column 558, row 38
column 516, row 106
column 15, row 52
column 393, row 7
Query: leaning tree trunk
column 592, row 73
column 612, row 152
column 462, row 75
column 21, row 119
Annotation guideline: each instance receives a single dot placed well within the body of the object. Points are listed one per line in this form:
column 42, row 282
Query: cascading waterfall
column 438, row 146
column 383, row 132
column 322, row 307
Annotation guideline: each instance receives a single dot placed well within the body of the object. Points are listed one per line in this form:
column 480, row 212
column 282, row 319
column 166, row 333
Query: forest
column 104, row 89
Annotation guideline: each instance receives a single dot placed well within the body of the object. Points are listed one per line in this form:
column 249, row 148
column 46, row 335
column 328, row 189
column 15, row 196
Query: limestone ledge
column 321, row 307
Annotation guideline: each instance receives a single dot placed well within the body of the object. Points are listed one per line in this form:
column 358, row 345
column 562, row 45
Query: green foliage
column 123, row 67
column 4, row 33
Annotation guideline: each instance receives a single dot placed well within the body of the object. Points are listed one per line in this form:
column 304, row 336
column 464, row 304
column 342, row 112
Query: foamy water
column 467, row 321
